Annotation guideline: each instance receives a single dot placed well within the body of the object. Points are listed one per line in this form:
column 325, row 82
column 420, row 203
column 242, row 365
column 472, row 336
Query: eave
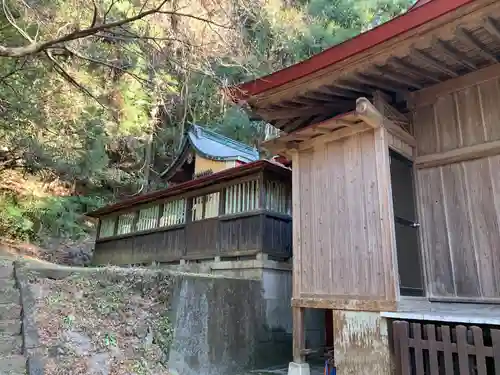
column 225, row 175
column 433, row 43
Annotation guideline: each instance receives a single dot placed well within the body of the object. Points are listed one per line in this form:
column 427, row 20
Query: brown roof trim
column 418, row 16
column 224, row 175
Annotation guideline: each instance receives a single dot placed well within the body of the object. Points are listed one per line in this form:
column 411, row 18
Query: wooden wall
column 235, row 235
column 342, row 219
column 460, row 201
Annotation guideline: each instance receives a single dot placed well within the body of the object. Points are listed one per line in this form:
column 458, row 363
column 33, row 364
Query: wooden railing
column 431, row 349
column 225, row 236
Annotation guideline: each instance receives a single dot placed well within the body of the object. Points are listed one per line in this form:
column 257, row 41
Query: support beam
column 491, row 26
column 299, row 335
column 376, row 83
column 429, row 95
column 348, row 86
column 424, row 57
column 454, row 54
column 334, row 136
column 458, row 155
column 413, row 69
column 368, row 113
column 291, row 112
column 466, row 36
column 396, row 77
column 327, row 90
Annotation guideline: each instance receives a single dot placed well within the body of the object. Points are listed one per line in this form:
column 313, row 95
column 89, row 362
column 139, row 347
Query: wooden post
column 299, row 337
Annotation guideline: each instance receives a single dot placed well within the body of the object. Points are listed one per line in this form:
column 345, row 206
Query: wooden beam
column 399, row 132
column 396, row 77
column 334, row 136
column 491, row 26
column 368, row 113
column 376, row 82
column 327, row 90
column 465, row 36
column 458, row 155
column 429, row 95
column 290, row 113
column 348, row 86
column 350, row 304
column 296, row 123
column 413, row 69
column 315, row 95
column 424, row 57
column 456, row 55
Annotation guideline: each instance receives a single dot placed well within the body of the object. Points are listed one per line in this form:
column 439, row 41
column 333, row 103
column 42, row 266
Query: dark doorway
column 406, row 226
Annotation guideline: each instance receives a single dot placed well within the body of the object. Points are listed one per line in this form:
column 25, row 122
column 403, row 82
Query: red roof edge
column 418, row 16
column 189, row 185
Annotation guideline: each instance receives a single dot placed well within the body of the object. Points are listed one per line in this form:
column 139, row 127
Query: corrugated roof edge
column 230, row 142
column 416, row 17
column 251, row 153
column 226, row 174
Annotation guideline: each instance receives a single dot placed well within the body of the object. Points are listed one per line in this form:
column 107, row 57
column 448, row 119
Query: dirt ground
column 112, row 322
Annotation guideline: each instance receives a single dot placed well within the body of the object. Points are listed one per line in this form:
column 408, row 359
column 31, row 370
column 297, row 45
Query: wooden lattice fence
column 438, row 349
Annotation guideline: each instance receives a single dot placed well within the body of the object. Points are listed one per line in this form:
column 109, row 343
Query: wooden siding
column 464, row 118
column 240, row 234
column 343, row 241
column 162, row 246
column 277, row 236
column 458, row 197
column 202, row 238
column 460, row 222
column 228, row 236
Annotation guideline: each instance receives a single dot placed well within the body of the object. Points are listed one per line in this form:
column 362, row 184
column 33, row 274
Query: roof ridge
column 213, row 134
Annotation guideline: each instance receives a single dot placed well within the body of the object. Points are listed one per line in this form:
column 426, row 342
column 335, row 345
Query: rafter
column 491, row 26
column 413, row 69
column 337, row 92
column 396, row 77
column 424, row 57
column 376, row 82
column 456, row 55
column 466, row 36
column 348, row 86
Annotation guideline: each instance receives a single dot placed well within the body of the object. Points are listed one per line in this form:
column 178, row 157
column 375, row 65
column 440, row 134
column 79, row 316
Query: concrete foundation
column 299, row 369
column 361, row 343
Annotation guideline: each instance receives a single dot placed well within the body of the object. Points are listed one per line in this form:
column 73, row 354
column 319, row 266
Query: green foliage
column 151, row 77
column 33, row 218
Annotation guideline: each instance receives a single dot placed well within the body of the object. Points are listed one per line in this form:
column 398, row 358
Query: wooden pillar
column 299, row 335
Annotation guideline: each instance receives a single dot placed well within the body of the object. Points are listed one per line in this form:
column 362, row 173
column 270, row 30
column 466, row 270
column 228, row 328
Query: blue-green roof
column 211, row 145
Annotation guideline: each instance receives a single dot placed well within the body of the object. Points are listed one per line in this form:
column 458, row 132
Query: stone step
column 10, row 311
column 10, row 327
column 6, row 270
column 13, row 365
column 10, row 345
column 8, row 295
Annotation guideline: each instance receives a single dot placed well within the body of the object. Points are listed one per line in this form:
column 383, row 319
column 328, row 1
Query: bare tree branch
column 95, row 15
column 109, row 10
column 37, row 47
column 105, row 63
column 17, row 69
column 63, row 73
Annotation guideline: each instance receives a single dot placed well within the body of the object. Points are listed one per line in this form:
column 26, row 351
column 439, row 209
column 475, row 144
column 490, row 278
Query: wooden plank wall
column 460, row 202
column 343, row 241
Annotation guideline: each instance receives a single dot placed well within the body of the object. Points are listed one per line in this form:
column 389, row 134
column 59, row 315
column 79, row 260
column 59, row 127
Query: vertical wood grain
column 435, row 233
column 460, row 232
column 296, row 225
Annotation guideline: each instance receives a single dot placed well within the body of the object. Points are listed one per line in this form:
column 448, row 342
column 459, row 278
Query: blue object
column 330, row 370
column 210, row 145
